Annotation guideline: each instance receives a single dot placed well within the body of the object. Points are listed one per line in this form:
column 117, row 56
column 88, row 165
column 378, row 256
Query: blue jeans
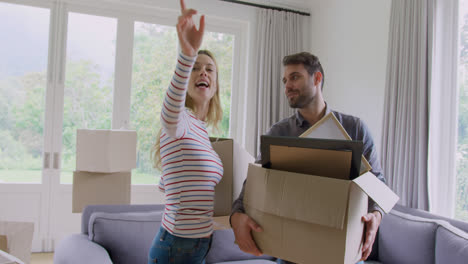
column 167, row 248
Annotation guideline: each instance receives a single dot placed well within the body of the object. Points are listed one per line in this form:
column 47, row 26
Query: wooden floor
column 42, row 258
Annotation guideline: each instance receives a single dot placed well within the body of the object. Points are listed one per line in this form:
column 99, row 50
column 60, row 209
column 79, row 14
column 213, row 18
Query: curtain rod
column 267, row 7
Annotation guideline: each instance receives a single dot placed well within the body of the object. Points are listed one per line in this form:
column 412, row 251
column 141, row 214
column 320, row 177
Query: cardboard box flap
column 235, row 161
column 215, row 139
column 329, row 127
column 302, row 197
column 223, row 190
column 377, row 191
column 241, row 161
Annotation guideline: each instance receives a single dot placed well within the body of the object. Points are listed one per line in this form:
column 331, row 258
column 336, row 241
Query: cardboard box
column 19, row 236
column 105, row 151
column 100, row 188
column 329, row 127
column 235, row 163
column 3, row 243
column 308, row 218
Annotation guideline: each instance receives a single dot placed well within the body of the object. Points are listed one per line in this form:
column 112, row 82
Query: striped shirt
column 191, row 168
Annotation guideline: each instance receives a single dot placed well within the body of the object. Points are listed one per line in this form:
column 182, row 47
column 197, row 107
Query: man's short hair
column 311, row 63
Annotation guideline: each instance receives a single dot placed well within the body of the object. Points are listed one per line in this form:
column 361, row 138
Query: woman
column 190, row 167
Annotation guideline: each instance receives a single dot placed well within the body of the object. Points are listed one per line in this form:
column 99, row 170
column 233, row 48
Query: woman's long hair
column 214, row 116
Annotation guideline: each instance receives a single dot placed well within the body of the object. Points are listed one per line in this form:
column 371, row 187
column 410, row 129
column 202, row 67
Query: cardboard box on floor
column 308, row 218
column 3, row 243
column 105, row 151
column 235, row 161
column 100, row 188
column 19, row 236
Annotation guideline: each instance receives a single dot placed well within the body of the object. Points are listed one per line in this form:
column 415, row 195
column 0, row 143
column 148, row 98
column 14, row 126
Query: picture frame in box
column 329, row 127
column 312, row 155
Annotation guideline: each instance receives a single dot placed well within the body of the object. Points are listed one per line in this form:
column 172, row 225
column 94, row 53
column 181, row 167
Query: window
column 154, row 54
column 461, row 207
column 23, row 80
column 222, row 46
column 89, row 81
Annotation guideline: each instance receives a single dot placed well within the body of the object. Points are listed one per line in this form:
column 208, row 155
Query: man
column 303, row 80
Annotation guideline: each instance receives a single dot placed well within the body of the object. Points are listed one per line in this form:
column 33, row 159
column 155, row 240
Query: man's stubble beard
column 301, row 101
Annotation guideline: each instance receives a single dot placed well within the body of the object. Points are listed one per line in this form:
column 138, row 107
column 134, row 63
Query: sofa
column 123, row 234
column 412, row 236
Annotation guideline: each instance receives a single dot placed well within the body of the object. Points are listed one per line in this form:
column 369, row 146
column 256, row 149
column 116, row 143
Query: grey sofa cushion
column 406, row 239
column 451, row 245
column 127, row 237
column 224, row 249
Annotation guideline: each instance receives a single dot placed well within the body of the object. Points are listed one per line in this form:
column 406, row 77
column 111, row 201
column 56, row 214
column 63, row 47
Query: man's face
column 300, row 87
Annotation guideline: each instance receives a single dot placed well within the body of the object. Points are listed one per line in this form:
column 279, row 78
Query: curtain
column 405, row 125
column 420, row 120
column 279, row 34
column 443, row 109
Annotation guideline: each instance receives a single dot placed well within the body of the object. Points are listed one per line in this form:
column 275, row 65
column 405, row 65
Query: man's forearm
column 238, row 205
column 372, row 206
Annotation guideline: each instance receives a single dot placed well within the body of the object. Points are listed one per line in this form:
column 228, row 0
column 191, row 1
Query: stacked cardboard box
column 104, row 160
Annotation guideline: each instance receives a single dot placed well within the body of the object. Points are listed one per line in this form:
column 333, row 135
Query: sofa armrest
column 405, row 238
column 421, row 213
column 78, row 249
column 451, row 245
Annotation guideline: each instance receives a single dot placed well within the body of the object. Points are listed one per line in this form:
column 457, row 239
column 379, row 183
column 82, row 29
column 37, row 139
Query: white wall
column 350, row 39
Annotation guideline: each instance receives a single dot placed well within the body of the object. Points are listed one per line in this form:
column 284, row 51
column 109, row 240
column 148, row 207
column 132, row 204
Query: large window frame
column 127, row 15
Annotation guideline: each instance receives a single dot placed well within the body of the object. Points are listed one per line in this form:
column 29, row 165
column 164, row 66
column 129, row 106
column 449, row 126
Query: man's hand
column 243, row 225
column 371, row 225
